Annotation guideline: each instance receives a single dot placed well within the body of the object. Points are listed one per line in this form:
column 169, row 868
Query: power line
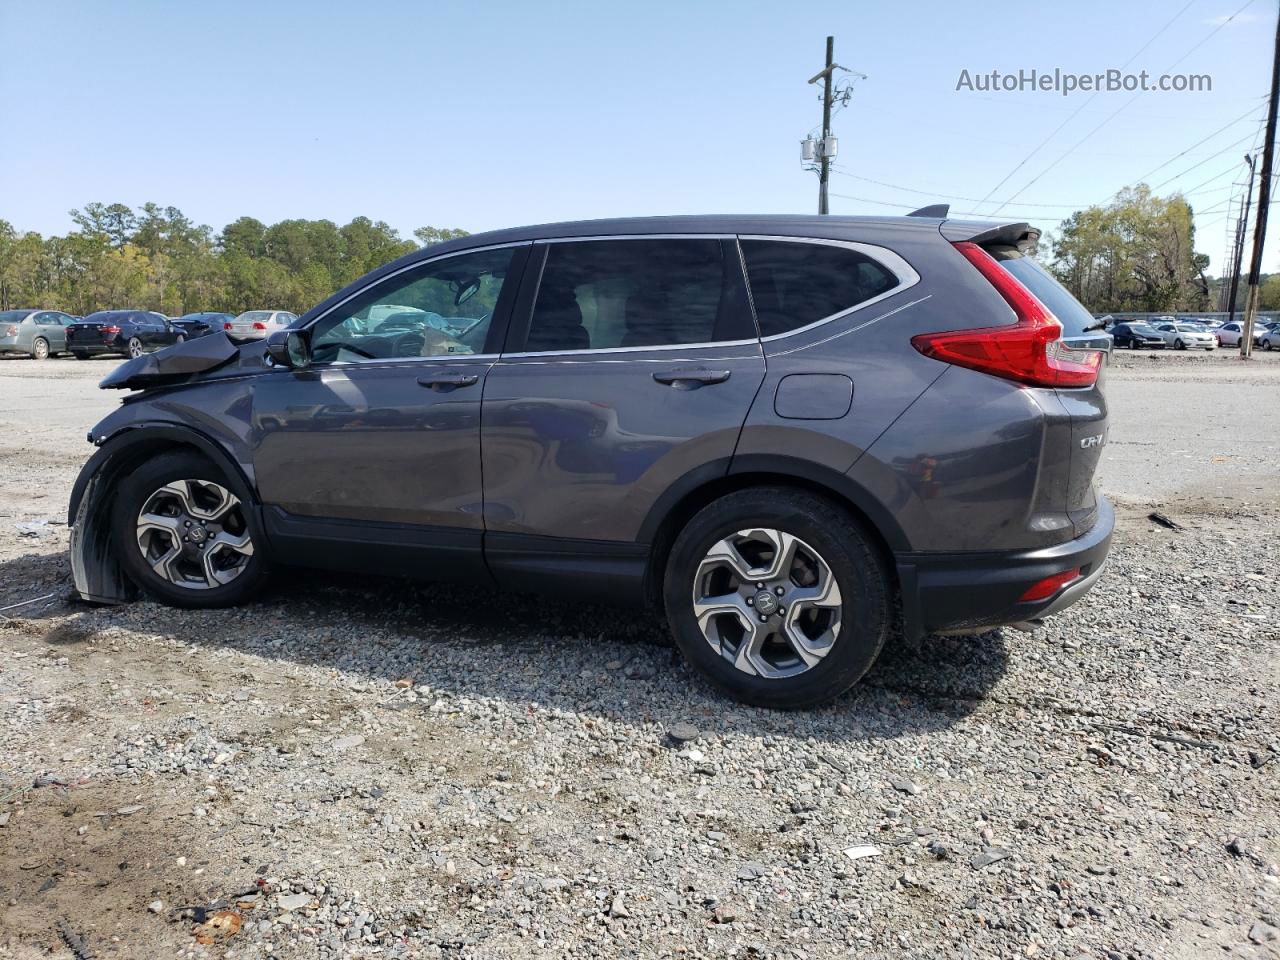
column 1243, row 116
column 1077, row 110
column 943, row 196
column 1212, row 156
column 1118, row 110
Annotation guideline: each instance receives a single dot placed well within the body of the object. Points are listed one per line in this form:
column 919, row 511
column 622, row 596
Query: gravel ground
column 354, row 768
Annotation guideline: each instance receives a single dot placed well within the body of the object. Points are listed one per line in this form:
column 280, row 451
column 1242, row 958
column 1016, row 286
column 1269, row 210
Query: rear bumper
column 95, row 348
column 943, row 592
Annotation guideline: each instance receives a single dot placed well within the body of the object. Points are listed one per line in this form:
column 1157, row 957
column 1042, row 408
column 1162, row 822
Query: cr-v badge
column 1095, row 441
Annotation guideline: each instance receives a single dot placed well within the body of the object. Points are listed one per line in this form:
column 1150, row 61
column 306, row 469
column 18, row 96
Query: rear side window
column 1070, row 312
column 604, row 294
column 794, row 284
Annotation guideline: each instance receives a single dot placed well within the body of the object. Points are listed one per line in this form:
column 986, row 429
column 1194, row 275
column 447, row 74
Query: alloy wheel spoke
column 725, row 553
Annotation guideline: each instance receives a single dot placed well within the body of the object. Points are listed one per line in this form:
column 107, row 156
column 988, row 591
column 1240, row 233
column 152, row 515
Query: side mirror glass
column 289, row 348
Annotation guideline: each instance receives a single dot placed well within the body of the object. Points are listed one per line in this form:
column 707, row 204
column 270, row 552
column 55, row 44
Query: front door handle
column 691, row 377
column 448, row 381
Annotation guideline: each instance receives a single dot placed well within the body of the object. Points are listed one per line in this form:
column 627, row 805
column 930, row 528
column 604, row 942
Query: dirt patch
column 91, row 859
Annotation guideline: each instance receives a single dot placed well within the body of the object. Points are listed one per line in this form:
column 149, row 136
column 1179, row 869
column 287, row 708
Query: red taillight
column 259, row 325
column 226, row 325
column 110, row 330
column 1043, row 589
column 1029, row 351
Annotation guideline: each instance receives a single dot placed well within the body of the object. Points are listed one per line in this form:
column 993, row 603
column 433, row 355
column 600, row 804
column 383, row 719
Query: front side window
column 794, row 284
column 606, row 294
column 440, row 309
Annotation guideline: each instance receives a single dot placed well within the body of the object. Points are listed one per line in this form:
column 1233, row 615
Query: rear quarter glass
column 1075, row 319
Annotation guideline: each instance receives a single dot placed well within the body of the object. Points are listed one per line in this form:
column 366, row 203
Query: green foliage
column 155, row 258
column 1137, row 253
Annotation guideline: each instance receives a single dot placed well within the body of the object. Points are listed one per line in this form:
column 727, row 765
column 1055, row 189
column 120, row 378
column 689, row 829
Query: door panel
column 582, row 448
column 369, row 442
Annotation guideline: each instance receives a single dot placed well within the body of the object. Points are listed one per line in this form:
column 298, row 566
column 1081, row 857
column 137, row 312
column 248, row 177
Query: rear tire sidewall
column 833, row 533
column 133, row 490
column 40, row 349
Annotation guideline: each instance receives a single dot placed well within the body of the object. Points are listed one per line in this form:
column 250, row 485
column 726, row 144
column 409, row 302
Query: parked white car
column 1229, row 334
column 1186, row 336
column 256, row 324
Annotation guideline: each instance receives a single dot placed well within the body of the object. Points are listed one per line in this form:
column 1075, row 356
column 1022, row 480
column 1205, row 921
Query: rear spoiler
column 1020, row 235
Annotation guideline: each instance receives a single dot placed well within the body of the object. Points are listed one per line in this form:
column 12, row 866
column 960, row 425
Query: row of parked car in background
column 1190, row 333
column 128, row 333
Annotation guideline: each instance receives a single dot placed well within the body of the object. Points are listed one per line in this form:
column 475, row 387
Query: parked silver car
column 1183, row 336
column 38, row 333
column 1270, row 338
column 256, row 324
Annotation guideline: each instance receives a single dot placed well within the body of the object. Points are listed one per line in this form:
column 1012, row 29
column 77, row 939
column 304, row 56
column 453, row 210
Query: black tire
column 39, row 349
column 1179, row 345
column 80, row 356
column 860, row 572
column 131, row 496
column 1266, row 344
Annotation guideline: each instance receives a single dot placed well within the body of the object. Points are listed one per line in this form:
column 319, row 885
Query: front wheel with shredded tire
column 779, row 597
column 185, row 533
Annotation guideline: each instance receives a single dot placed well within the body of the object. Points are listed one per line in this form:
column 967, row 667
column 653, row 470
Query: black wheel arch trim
column 139, row 433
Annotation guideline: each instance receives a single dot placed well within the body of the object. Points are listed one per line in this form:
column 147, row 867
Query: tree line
column 156, row 258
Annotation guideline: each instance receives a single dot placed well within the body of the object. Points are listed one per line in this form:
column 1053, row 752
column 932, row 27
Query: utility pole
column 1264, row 202
column 825, row 172
column 823, row 150
column 1241, row 231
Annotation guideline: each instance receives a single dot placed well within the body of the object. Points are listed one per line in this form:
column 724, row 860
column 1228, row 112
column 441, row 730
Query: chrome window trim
column 703, row 345
column 639, row 236
column 891, row 261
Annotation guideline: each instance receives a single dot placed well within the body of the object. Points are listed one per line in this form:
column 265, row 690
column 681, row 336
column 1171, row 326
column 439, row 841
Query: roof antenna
column 933, row 210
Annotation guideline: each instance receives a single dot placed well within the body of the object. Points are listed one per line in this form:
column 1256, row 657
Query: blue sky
column 488, row 114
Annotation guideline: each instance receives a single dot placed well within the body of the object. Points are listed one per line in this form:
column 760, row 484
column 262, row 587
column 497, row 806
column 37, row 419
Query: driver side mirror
column 289, row 348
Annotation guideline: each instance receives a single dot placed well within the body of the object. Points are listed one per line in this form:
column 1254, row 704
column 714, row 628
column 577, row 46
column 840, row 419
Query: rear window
column 1070, row 312
column 13, row 316
column 794, row 284
column 255, row 315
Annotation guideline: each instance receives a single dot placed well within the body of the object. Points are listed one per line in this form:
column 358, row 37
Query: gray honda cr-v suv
column 789, row 433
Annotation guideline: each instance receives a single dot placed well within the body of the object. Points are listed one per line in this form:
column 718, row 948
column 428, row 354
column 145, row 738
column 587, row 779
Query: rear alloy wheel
column 777, row 597
column 40, row 348
column 134, row 347
column 184, row 535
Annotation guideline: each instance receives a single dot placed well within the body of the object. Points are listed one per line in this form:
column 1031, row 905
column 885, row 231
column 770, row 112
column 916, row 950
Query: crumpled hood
column 172, row 364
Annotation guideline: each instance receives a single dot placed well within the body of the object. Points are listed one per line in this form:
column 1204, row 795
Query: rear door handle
column 690, row 377
column 448, row 381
